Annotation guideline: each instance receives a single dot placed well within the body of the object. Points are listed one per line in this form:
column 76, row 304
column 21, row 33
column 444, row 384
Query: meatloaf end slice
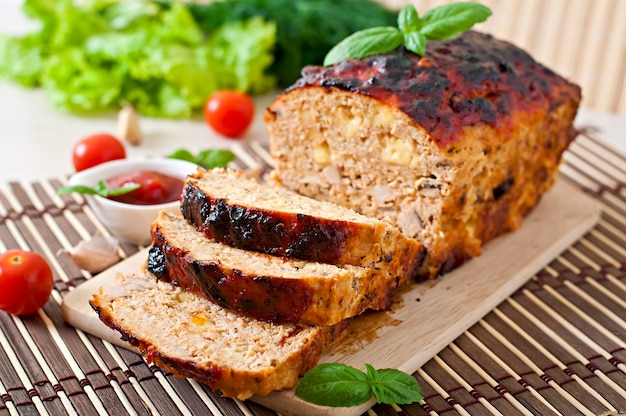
column 455, row 147
column 263, row 286
column 192, row 337
column 232, row 208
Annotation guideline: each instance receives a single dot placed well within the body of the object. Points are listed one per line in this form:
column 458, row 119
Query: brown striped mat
column 556, row 346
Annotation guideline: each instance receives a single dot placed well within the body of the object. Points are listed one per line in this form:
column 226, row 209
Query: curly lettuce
column 100, row 54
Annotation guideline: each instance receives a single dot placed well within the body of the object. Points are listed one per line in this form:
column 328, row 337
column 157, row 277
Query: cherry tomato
column 25, row 282
column 96, row 149
column 229, row 112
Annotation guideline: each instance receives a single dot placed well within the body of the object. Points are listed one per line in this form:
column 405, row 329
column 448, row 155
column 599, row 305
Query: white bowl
column 130, row 222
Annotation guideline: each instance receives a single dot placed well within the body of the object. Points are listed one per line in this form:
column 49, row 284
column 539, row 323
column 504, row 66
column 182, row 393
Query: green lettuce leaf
column 21, row 61
column 243, row 68
column 99, row 54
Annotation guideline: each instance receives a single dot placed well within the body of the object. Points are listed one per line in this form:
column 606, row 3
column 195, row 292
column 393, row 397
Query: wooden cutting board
column 427, row 316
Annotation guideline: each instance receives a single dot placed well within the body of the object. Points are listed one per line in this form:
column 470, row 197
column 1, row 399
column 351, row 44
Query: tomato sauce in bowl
column 129, row 217
column 154, row 188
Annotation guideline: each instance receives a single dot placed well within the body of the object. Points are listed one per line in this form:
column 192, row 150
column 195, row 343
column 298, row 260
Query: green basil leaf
column 449, row 20
column 372, row 374
column 208, row 159
column 408, row 19
column 415, row 42
column 440, row 23
column 214, row 158
column 392, row 386
column 334, row 384
column 80, row 189
column 100, row 189
column 364, row 43
column 182, row 154
column 129, row 187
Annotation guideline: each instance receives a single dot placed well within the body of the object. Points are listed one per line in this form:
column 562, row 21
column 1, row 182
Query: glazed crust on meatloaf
column 230, row 207
column 263, row 286
column 192, row 337
column 456, row 147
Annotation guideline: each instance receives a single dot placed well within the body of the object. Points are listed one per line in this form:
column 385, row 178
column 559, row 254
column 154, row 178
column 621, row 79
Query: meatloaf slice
column 263, row 286
column 230, row 207
column 455, row 147
column 193, row 337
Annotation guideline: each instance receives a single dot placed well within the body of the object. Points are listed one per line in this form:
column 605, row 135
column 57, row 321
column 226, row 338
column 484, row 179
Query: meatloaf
column 232, row 208
column 263, row 286
column 455, row 147
column 193, row 337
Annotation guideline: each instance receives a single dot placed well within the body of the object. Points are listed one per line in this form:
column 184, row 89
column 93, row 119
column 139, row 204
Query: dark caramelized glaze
column 274, row 299
column 468, row 80
column 210, row 375
column 278, row 233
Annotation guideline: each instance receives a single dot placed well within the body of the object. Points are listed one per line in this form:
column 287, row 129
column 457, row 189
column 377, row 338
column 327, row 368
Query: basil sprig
column 208, row 159
column 440, row 23
column 340, row 385
column 100, row 189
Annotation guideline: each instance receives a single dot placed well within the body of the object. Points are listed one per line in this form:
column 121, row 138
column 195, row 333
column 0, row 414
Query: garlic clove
column 128, row 125
column 96, row 254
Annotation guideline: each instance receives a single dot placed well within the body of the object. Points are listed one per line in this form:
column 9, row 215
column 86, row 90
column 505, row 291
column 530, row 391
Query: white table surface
column 37, row 139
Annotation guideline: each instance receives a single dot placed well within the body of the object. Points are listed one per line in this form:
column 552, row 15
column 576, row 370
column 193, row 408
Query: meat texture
column 228, row 206
column 263, row 286
column 455, row 147
column 193, row 337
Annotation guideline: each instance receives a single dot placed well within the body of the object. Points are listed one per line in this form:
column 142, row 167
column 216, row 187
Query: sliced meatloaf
column 232, row 208
column 455, row 147
column 263, row 286
column 193, row 337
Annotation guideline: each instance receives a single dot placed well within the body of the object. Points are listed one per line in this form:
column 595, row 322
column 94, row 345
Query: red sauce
column 154, row 188
column 150, row 354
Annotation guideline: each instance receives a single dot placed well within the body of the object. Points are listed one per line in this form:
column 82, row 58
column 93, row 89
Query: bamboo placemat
column 556, row 346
